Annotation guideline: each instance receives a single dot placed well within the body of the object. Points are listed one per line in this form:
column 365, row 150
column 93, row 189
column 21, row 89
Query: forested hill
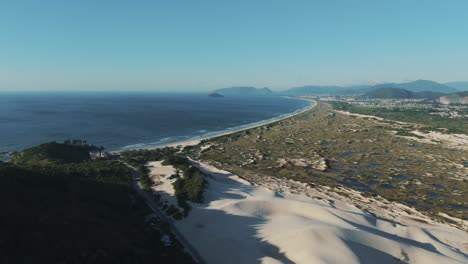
column 399, row 93
column 58, row 206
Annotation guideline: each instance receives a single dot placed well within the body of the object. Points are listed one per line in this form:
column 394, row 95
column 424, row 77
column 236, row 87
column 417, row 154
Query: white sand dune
column 161, row 176
column 243, row 223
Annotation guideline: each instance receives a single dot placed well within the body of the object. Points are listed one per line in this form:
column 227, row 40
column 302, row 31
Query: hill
column 76, row 212
column 399, row 93
column 418, row 86
column 455, row 98
column 53, row 152
column 428, row 94
column 243, row 90
column 393, row 93
column 461, row 86
column 215, row 95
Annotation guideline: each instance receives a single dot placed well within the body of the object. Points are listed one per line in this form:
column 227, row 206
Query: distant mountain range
column 399, row 93
column 430, row 88
column 419, row 86
column 461, row 86
column 416, row 86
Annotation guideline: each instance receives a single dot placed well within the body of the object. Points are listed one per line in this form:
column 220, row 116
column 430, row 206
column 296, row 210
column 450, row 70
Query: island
column 216, row 95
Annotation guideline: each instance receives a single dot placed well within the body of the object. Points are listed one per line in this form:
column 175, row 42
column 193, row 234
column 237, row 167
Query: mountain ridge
column 414, row 86
column 400, row 93
column 461, row 85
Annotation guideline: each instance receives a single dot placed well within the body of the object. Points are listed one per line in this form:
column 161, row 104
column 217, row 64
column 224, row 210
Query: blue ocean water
column 129, row 120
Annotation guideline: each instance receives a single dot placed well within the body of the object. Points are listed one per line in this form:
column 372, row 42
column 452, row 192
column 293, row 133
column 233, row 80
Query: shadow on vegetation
column 49, row 218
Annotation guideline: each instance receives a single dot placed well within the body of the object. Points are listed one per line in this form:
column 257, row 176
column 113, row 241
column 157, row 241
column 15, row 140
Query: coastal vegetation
column 418, row 115
column 52, row 153
column 328, row 148
column 59, row 206
column 189, row 184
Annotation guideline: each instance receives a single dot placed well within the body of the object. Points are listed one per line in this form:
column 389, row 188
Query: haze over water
column 128, row 120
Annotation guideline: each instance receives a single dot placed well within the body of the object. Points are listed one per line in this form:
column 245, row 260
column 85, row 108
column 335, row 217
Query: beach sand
column 243, row 223
column 193, row 142
column 163, row 182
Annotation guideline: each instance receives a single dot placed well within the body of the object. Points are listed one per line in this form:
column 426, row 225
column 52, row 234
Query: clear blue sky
column 189, row 45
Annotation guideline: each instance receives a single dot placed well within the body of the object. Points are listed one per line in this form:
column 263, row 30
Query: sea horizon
column 122, row 120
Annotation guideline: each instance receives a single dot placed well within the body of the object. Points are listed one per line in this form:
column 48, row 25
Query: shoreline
column 196, row 141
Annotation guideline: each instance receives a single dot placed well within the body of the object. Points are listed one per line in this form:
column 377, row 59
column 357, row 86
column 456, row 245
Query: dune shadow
column 232, row 238
column 221, row 237
column 456, row 250
column 370, row 255
column 398, row 239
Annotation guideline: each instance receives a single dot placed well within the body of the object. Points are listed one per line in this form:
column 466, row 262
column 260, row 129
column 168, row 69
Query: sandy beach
column 240, row 222
column 193, row 142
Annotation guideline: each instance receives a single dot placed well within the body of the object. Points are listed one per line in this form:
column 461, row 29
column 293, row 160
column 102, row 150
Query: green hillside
column 391, row 93
column 52, row 152
column 419, row 86
column 399, row 93
column 59, row 210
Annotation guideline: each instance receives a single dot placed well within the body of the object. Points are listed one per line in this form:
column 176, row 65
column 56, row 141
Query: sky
column 207, row 44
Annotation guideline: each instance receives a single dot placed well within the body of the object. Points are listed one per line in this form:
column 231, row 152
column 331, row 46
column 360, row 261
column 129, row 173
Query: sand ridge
column 240, row 222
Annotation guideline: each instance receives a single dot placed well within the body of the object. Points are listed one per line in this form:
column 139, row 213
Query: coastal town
column 432, row 106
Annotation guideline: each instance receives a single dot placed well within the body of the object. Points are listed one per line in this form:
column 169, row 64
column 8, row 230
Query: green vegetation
column 139, row 158
column 73, row 210
column 191, row 185
column 399, row 93
column 145, row 155
column 409, row 115
column 359, row 153
column 390, row 93
column 188, row 187
column 52, row 152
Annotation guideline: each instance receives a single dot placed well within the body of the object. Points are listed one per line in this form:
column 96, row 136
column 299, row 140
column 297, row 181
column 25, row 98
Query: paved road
column 146, row 197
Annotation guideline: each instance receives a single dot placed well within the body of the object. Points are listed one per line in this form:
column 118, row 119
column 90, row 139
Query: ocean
column 123, row 120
